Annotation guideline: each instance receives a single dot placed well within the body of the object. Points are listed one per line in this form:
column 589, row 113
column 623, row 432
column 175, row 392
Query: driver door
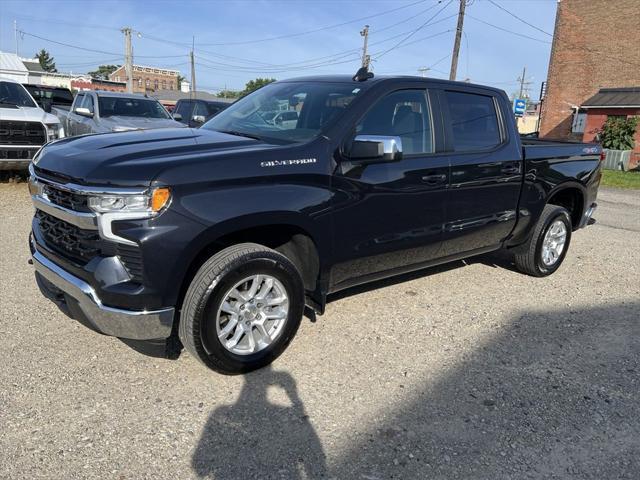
column 390, row 215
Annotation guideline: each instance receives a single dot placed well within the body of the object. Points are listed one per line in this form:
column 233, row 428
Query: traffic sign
column 519, row 106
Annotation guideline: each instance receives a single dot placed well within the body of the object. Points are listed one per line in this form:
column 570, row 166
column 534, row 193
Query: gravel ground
column 467, row 371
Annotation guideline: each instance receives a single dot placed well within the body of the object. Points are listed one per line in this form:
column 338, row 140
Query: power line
column 507, row 30
column 518, row 18
column 414, row 31
column 307, row 32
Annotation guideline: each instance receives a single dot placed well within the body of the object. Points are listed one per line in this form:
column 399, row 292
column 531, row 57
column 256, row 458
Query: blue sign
column 519, row 106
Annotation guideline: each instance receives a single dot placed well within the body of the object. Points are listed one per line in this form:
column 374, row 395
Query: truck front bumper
column 80, row 301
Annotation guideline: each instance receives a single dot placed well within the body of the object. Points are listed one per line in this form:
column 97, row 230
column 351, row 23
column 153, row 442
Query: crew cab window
column 184, row 109
column 474, row 121
column 403, row 114
column 200, row 109
column 77, row 103
column 88, row 103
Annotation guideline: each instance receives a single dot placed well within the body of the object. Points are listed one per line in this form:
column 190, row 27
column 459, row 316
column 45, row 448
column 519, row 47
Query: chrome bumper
column 588, row 215
column 135, row 325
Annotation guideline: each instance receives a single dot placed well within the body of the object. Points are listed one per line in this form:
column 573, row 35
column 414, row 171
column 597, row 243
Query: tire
column 202, row 315
column 529, row 258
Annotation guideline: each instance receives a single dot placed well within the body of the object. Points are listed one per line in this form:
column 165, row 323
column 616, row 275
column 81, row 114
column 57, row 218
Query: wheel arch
column 285, row 233
column 570, row 195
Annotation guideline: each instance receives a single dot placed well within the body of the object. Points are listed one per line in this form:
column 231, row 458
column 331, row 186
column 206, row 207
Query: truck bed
column 538, row 149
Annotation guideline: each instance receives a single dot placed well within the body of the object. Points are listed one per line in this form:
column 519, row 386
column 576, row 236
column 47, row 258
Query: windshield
column 15, row 94
column 131, row 107
column 289, row 112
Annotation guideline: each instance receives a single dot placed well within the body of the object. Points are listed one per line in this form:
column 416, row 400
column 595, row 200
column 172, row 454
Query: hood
column 27, row 114
column 134, row 158
column 138, row 123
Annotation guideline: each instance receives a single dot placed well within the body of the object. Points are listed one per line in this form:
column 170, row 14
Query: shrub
column 618, row 133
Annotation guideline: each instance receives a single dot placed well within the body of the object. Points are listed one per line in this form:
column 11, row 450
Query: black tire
column 528, row 257
column 205, row 294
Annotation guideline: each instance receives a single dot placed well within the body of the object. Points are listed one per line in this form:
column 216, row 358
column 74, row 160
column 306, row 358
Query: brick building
column 596, row 44
column 148, row 79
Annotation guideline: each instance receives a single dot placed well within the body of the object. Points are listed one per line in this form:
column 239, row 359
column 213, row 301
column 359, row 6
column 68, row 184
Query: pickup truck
column 215, row 239
column 197, row 111
column 106, row 112
column 48, row 97
column 24, row 127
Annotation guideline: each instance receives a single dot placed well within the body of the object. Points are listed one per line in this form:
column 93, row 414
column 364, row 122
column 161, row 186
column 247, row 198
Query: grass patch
column 620, row 179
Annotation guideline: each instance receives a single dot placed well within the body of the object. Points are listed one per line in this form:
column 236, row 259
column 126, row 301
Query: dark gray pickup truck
column 216, row 238
column 106, row 112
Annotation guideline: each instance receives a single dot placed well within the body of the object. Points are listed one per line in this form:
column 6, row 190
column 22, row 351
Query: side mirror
column 375, row 148
column 177, row 117
column 198, row 118
column 85, row 112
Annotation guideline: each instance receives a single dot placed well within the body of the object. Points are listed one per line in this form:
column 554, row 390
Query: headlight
column 54, row 131
column 146, row 204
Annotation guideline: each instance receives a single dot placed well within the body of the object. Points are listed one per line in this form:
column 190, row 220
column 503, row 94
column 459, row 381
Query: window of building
column 401, row 114
column 140, row 82
column 147, row 82
column 164, row 84
column 155, row 84
column 473, row 120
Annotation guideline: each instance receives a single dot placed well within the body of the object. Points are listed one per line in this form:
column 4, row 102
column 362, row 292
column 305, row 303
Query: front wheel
column 545, row 250
column 242, row 308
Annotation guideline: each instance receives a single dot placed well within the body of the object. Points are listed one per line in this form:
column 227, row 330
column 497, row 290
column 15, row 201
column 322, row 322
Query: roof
column 11, row 62
column 628, row 97
column 108, row 93
column 175, row 95
column 33, row 65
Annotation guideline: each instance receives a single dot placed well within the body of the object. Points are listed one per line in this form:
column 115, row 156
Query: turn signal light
column 160, row 198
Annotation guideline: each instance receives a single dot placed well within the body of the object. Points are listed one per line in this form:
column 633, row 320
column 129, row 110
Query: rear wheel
column 242, row 309
column 545, row 250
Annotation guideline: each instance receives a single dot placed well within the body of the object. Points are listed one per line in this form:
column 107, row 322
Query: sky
column 238, row 40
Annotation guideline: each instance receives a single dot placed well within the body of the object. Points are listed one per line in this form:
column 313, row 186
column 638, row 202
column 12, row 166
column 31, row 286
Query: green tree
column 46, row 61
column 228, row 94
column 256, row 84
column 618, row 133
column 180, row 80
column 103, row 71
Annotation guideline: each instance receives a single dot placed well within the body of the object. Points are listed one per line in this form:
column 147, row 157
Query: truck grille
column 66, row 199
column 68, row 240
column 22, row 133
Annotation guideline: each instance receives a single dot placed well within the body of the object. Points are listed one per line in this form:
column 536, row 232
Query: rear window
column 474, row 121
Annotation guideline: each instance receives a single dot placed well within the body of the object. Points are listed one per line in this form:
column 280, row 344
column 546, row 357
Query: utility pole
column 456, row 44
column 423, row 71
column 366, row 59
column 15, row 33
column 524, row 85
column 193, row 70
column 128, row 58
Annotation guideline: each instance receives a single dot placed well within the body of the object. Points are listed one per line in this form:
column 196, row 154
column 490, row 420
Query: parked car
column 195, row 112
column 24, row 127
column 103, row 112
column 48, row 97
column 286, row 119
column 216, row 238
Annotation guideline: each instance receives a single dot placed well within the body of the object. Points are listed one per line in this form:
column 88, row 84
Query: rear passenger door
column 486, row 171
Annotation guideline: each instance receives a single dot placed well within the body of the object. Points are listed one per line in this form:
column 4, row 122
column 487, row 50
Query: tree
column 180, row 80
column 228, row 94
column 618, row 133
column 103, row 71
column 46, row 61
column 256, row 84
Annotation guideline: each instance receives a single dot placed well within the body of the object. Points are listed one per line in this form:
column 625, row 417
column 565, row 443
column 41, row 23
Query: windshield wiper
column 240, row 134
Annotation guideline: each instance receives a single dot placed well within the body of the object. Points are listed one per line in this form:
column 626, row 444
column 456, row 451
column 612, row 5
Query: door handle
column 510, row 170
column 435, row 179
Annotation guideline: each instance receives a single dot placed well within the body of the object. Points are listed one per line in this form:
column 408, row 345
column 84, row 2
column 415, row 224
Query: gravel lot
column 468, row 371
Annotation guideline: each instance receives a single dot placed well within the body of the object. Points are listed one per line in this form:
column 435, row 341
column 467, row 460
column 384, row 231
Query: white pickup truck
column 24, row 127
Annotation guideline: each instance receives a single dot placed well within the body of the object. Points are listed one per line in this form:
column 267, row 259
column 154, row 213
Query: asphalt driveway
column 469, row 371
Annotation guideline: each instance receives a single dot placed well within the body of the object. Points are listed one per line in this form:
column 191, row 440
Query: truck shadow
column 257, row 438
column 552, row 395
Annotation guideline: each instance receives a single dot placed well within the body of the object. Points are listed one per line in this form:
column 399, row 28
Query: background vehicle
column 286, row 119
column 24, row 127
column 216, row 238
column 195, row 112
column 48, row 97
column 103, row 112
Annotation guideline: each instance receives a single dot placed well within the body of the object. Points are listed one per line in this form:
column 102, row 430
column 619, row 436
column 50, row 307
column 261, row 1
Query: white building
column 28, row 70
